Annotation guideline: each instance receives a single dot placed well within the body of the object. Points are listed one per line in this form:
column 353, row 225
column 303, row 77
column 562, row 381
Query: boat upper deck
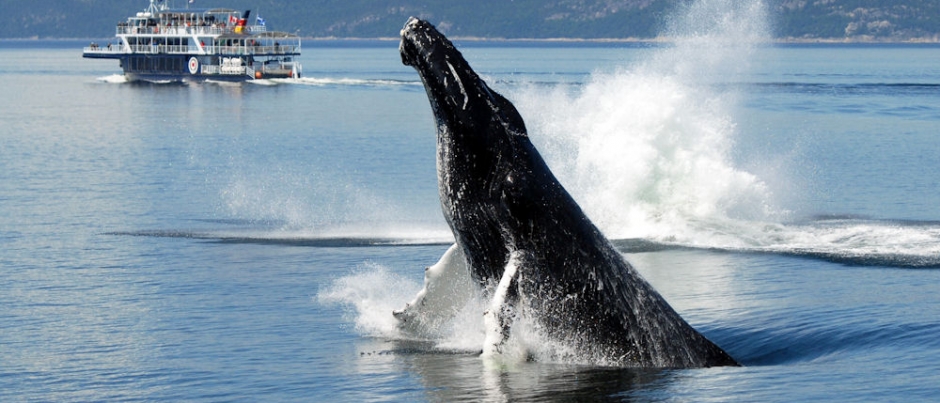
column 176, row 30
column 220, row 32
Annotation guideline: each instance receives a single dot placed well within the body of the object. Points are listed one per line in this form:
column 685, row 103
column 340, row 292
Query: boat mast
column 153, row 9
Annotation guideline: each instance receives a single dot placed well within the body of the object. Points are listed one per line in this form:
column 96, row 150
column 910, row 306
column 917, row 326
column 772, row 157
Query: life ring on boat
column 193, row 65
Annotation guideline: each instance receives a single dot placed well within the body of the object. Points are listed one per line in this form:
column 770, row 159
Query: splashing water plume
column 652, row 143
column 374, row 292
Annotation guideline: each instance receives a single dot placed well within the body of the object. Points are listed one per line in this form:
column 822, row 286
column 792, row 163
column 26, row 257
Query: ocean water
column 248, row 242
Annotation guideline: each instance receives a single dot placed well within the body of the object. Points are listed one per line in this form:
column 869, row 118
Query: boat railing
column 254, row 50
column 194, row 50
column 185, row 30
column 107, row 49
column 164, row 49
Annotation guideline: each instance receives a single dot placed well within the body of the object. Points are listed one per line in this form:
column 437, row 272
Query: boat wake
column 112, row 79
column 121, row 79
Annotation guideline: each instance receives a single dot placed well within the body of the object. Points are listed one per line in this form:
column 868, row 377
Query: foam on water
column 849, row 241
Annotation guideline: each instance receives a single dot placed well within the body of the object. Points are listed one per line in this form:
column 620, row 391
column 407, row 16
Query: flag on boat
column 259, row 20
column 242, row 22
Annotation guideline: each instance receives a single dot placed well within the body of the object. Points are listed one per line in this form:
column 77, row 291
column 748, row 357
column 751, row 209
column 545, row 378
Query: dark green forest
column 859, row 20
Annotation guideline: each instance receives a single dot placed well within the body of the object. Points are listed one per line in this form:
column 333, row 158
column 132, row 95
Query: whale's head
column 461, row 100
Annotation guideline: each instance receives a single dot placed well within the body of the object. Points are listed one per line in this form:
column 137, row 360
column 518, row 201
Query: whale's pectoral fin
column 447, row 288
column 503, row 308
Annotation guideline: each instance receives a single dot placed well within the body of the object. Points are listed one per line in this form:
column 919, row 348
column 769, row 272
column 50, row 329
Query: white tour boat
column 165, row 44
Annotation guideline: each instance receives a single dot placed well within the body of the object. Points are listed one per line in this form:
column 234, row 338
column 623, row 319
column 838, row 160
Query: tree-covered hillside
column 858, row 19
column 792, row 19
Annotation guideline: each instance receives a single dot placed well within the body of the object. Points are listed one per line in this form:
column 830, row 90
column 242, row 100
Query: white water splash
column 652, row 142
column 374, row 292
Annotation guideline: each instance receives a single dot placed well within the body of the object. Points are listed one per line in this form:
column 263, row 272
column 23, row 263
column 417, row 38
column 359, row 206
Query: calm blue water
column 219, row 242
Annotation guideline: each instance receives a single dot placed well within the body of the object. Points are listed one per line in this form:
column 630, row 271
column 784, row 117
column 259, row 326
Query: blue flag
column 260, row 20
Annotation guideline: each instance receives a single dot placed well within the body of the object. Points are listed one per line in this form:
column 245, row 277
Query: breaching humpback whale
column 522, row 237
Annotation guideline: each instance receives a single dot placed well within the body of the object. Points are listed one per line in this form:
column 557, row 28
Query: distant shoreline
column 934, row 40
column 537, row 41
column 776, row 41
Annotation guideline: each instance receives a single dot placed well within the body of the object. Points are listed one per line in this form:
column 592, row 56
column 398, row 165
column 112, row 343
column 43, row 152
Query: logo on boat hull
column 193, row 65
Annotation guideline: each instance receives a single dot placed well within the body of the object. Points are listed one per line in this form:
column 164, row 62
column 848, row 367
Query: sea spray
column 373, row 292
column 646, row 149
column 316, row 205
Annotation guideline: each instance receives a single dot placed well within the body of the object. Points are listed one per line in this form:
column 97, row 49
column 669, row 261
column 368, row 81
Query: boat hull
column 186, row 68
